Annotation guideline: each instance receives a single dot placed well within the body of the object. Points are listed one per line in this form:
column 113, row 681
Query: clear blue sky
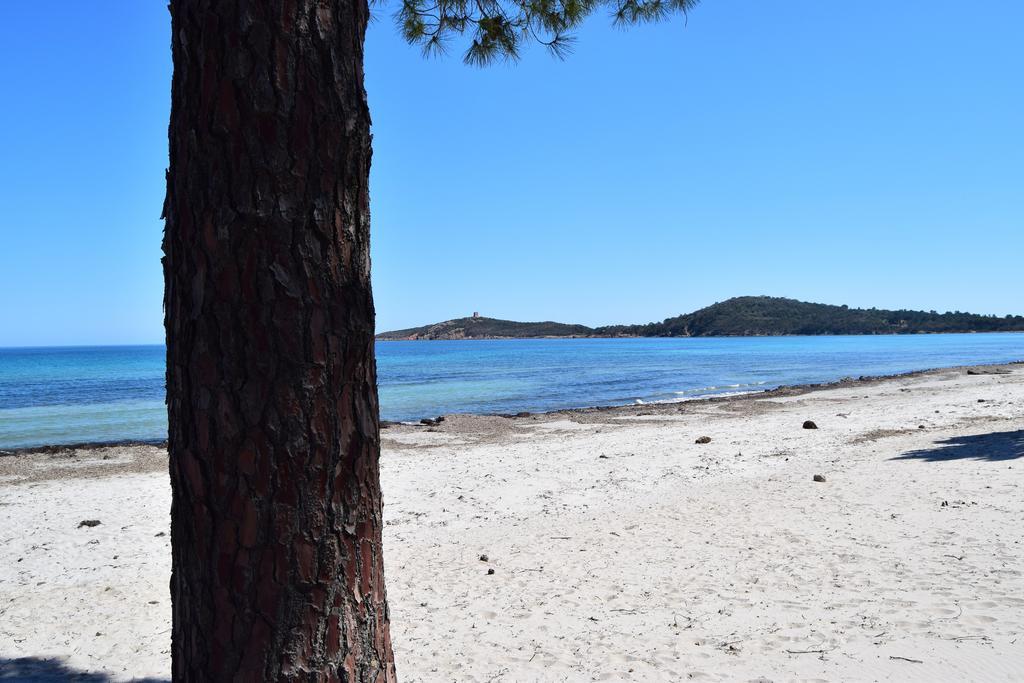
column 867, row 153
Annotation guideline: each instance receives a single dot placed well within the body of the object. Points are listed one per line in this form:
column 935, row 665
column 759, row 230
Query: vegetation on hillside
column 741, row 316
column 762, row 315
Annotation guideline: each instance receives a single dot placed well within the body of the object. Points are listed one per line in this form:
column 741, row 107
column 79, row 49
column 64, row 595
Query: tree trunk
column 271, row 381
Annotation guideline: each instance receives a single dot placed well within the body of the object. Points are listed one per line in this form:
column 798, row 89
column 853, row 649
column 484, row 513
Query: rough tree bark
column 271, row 380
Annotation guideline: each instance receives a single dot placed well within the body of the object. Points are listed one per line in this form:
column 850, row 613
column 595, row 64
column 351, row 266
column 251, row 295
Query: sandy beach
column 621, row 549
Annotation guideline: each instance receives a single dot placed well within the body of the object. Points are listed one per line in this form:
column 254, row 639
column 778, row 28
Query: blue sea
column 114, row 393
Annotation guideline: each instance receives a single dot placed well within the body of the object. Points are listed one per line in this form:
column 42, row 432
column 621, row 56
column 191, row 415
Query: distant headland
column 745, row 316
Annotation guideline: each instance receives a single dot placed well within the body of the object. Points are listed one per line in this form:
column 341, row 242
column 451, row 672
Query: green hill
column 771, row 316
column 739, row 317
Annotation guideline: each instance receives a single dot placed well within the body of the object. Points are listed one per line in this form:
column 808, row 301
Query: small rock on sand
column 819, row 477
column 703, row 439
column 484, row 558
column 490, row 571
column 808, row 424
column 88, row 522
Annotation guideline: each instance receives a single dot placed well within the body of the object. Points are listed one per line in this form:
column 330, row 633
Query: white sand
column 664, row 560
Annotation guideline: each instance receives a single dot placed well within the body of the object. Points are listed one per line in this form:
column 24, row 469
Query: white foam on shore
column 705, row 396
column 713, row 390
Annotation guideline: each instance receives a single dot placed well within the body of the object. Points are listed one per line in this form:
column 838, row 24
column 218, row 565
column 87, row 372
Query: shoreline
column 799, row 389
column 57, row 448
column 781, row 390
column 699, row 336
column 620, row 543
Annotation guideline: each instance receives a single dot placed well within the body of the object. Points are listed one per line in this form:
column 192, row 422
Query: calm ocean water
column 72, row 395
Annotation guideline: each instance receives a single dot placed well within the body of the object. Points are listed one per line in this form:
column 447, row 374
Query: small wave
column 699, row 397
column 687, row 392
column 702, row 391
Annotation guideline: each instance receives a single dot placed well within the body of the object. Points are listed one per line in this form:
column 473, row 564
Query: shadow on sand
column 51, row 670
column 992, row 447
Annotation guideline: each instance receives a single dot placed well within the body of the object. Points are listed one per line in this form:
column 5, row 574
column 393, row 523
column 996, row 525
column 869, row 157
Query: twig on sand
column 809, row 652
column 906, row 659
column 957, row 616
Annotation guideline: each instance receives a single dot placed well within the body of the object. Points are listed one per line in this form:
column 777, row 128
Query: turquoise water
column 96, row 394
column 79, row 394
